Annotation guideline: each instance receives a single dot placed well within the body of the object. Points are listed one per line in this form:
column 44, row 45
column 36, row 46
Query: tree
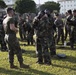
column 2, row 4
column 25, row 6
column 51, row 6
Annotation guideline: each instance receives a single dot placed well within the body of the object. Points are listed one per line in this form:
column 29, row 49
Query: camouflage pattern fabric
column 45, row 38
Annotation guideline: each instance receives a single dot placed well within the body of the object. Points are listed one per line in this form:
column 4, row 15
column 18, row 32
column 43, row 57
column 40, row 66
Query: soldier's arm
column 12, row 27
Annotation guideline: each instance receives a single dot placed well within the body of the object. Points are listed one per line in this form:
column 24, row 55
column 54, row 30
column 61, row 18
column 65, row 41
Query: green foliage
column 51, row 6
column 2, row 4
column 25, row 6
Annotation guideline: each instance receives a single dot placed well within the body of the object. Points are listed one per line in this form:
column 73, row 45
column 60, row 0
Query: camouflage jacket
column 43, row 27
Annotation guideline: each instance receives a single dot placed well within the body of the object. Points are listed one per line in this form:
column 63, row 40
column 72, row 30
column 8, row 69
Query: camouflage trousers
column 52, row 46
column 73, row 37
column 42, row 48
column 14, row 48
column 60, row 34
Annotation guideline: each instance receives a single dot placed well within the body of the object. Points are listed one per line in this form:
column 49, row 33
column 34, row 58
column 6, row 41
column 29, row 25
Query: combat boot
column 39, row 62
column 23, row 65
column 47, row 63
column 13, row 66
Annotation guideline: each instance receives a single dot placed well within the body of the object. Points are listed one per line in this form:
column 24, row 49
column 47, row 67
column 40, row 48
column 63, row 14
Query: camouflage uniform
column 29, row 33
column 22, row 33
column 13, row 44
column 73, row 31
column 68, row 27
column 45, row 39
column 60, row 31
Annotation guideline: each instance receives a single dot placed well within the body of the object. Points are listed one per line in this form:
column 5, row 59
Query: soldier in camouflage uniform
column 11, row 29
column 68, row 26
column 52, row 29
column 72, row 23
column 60, row 28
column 44, row 31
column 29, row 30
column 22, row 32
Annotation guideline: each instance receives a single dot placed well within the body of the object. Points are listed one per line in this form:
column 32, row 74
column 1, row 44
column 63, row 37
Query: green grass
column 65, row 66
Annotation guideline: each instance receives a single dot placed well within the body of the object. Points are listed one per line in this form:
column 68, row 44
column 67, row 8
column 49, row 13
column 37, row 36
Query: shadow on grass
column 64, row 67
column 30, row 53
column 23, row 44
column 26, row 45
column 39, row 72
column 68, row 58
column 30, row 72
column 23, row 51
column 64, row 48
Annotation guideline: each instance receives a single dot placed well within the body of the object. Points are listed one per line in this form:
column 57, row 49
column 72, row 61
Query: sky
column 43, row 1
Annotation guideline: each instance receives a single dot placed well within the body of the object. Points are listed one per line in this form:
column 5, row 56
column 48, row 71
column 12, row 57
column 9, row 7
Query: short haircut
column 70, row 11
column 57, row 14
column 9, row 9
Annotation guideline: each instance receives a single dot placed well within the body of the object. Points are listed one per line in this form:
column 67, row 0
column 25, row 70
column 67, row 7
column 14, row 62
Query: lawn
column 65, row 66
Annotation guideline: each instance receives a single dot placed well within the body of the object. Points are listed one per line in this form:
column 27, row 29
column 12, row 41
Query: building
column 66, row 5
column 10, row 3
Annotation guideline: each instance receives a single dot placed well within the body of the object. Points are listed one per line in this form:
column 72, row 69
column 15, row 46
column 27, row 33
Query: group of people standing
column 70, row 27
column 65, row 27
column 48, row 30
column 26, row 31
